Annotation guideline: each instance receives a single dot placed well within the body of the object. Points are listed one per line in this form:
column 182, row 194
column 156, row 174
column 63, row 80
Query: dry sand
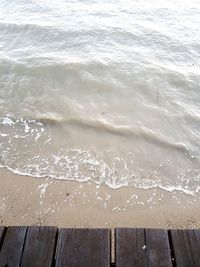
column 43, row 201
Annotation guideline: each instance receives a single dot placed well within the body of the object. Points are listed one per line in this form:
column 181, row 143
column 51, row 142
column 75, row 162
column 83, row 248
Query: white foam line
column 165, row 188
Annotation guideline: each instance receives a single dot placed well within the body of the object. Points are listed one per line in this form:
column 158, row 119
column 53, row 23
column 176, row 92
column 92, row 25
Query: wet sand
column 43, row 201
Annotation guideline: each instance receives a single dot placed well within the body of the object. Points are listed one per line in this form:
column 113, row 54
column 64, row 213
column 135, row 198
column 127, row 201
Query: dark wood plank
column 83, row 247
column 186, row 247
column 158, row 248
column 142, row 247
column 2, row 233
column 39, row 246
column 11, row 251
column 197, row 235
column 130, row 247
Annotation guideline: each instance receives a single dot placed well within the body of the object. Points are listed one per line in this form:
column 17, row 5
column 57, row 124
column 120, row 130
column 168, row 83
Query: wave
column 128, row 131
column 98, row 39
column 81, row 166
column 28, row 148
column 99, row 126
column 52, row 63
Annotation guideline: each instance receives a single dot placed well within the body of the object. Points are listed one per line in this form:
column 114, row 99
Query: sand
column 42, row 201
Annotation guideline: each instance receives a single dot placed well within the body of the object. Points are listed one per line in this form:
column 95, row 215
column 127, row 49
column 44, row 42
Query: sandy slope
column 33, row 201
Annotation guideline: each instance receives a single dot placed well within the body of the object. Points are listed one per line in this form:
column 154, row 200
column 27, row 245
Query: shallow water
column 101, row 91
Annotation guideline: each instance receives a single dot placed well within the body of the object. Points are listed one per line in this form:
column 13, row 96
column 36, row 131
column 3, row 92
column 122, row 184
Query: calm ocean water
column 107, row 91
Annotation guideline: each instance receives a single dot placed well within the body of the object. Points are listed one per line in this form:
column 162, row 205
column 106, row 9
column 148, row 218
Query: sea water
column 105, row 91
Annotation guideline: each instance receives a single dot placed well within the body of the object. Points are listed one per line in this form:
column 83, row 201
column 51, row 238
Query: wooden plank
column 158, row 248
column 186, row 247
column 140, row 247
column 39, row 246
column 11, row 251
column 2, row 233
column 130, row 247
column 83, row 247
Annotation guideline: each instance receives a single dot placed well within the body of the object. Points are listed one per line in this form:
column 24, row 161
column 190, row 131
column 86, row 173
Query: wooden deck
column 49, row 246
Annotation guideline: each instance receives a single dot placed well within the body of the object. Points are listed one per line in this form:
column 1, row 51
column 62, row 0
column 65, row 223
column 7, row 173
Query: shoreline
column 44, row 201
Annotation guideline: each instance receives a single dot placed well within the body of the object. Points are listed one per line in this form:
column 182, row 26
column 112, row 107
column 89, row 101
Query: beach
column 32, row 201
column 99, row 113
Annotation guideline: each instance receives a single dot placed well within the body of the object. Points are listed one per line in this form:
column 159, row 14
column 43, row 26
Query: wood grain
column 130, row 247
column 158, row 248
column 186, row 247
column 142, row 248
column 2, row 232
column 39, row 246
column 83, row 247
column 11, row 251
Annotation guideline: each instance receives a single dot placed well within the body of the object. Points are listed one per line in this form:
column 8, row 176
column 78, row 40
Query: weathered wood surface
column 11, row 251
column 158, row 248
column 83, row 247
column 39, row 246
column 129, row 247
column 36, row 246
column 142, row 247
column 186, row 247
column 2, row 232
